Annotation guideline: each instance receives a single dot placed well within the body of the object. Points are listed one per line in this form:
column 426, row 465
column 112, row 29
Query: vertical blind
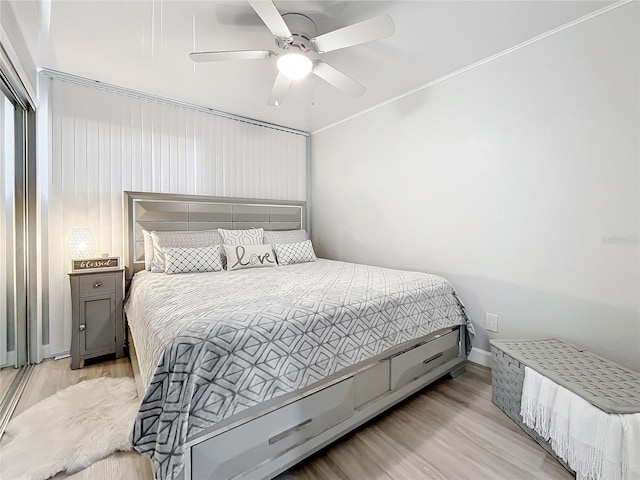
column 104, row 142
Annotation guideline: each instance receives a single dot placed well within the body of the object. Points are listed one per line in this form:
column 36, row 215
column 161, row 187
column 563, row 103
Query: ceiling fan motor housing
column 303, row 29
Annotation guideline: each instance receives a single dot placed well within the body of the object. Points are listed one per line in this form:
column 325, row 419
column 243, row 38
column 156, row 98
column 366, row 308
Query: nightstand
column 97, row 326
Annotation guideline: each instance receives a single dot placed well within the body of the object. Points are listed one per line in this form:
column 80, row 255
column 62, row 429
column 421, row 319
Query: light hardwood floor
column 7, row 375
column 449, row 431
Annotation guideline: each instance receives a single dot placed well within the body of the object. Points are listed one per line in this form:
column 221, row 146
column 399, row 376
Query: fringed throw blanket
column 595, row 444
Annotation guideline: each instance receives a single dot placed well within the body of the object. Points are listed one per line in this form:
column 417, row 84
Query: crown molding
column 566, row 26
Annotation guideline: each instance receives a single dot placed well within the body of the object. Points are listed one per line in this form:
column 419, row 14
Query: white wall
column 103, row 143
column 518, row 180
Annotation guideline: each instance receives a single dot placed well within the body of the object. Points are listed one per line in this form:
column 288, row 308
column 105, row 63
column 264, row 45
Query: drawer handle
column 97, row 284
column 431, row 359
column 82, row 327
column 286, row 433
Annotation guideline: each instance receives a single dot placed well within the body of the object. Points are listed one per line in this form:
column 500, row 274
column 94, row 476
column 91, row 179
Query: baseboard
column 481, row 357
column 61, row 355
column 46, row 353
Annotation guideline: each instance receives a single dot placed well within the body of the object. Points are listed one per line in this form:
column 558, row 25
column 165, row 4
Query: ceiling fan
column 296, row 35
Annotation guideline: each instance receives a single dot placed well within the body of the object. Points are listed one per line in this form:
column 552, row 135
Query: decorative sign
column 109, row 263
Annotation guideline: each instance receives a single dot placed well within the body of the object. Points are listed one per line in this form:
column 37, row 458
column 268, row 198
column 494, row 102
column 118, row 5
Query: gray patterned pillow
column 285, row 236
column 186, row 260
column 251, row 236
column 290, row 253
column 249, row 256
column 182, row 239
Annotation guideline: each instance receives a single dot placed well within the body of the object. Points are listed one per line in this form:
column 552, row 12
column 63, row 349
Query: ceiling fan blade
column 338, row 79
column 271, row 17
column 356, row 34
column 279, row 90
column 223, row 56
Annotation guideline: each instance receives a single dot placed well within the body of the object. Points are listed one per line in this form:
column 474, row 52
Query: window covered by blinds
column 104, row 142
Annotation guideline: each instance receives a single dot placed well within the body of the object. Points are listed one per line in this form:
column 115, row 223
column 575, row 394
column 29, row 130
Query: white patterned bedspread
column 210, row 345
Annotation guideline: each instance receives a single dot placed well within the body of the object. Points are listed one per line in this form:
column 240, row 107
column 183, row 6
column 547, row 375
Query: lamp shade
column 81, row 244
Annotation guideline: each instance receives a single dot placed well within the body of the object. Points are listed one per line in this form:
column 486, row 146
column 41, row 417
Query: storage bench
column 607, row 385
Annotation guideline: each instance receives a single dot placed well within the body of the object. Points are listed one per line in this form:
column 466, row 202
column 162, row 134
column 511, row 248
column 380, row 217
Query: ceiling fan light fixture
column 294, row 66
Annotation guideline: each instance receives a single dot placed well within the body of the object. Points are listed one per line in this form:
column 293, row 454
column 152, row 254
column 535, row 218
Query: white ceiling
column 144, row 45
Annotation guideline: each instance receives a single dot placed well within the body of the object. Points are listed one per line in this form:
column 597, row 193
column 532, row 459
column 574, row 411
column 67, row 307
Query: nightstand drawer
column 97, row 283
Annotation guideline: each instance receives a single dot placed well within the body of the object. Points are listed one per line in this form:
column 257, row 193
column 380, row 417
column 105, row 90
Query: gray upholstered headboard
column 163, row 211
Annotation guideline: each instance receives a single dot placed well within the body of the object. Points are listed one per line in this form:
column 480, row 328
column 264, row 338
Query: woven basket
column 507, row 377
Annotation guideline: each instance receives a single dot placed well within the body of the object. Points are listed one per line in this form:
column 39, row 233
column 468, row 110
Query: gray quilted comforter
column 210, row 345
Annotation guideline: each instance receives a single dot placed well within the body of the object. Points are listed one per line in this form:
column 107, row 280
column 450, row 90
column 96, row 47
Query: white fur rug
column 70, row 430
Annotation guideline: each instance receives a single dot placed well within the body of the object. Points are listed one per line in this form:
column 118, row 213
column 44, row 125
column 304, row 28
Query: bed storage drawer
column 280, row 430
column 411, row 364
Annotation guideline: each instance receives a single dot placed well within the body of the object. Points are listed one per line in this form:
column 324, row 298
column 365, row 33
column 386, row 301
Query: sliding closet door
column 17, row 179
column 7, row 234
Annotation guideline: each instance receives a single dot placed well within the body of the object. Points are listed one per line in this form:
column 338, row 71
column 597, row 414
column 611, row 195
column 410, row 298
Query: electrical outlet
column 491, row 322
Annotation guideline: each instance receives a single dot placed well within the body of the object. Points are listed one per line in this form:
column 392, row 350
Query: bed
column 245, row 373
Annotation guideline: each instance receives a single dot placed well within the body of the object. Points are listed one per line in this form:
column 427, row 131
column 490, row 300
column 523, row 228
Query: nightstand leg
column 75, row 363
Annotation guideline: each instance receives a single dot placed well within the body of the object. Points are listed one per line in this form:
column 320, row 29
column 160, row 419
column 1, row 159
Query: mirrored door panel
column 8, row 292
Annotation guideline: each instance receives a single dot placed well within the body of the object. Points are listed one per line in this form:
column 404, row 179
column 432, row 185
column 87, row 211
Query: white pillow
column 251, row 236
column 285, row 236
column 182, row 239
column 290, row 253
column 148, row 249
column 249, row 256
column 185, row 260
